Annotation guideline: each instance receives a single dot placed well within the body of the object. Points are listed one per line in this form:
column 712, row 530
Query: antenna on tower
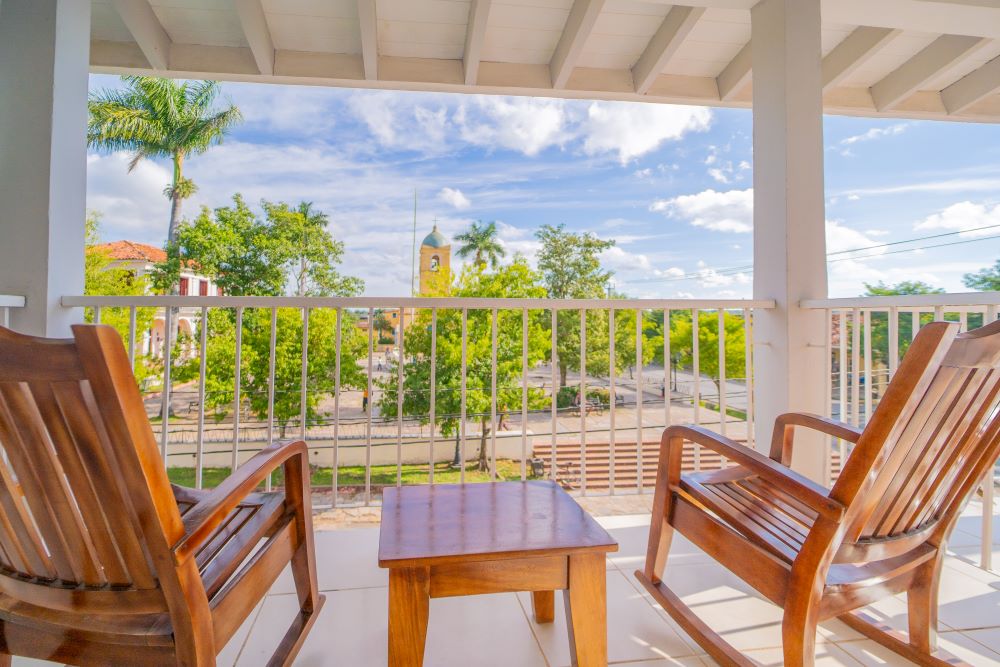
column 413, row 258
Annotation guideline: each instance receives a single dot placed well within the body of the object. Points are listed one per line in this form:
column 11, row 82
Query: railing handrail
column 365, row 302
column 908, row 301
column 11, row 301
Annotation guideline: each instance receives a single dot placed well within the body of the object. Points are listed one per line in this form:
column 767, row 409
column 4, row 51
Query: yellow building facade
column 435, row 263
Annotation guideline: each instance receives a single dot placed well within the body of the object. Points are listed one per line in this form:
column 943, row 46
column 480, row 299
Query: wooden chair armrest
column 798, row 486
column 783, row 437
column 208, row 513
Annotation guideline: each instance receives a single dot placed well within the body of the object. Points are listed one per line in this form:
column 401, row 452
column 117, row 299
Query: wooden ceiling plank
column 254, row 23
column 937, row 56
column 367, row 18
column 674, row 29
column 479, row 14
column 579, row 25
column 736, row 75
column 856, row 49
column 146, row 29
column 973, row 87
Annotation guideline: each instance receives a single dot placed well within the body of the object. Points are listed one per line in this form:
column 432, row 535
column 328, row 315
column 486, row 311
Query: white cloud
column 948, row 185
column 132, row 205
column 840, row 238
column 632, row 129
column 455, row 197
column 525, row 124
column 403, row 121
column 875, row 133
column 963, row 216
column 730, row 211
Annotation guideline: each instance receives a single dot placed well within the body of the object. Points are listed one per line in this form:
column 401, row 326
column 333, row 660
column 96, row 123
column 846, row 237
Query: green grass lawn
column 355, row 475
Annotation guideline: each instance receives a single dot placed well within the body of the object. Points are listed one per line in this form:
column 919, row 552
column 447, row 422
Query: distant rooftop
column 435, row 239
column 130, row 250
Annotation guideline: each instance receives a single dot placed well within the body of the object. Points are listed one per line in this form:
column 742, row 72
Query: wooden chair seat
column 881, row 529
column 102, row 560
column 752, row 506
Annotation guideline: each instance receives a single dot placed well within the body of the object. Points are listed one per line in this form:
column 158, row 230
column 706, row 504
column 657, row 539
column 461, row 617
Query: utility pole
column 413, row 249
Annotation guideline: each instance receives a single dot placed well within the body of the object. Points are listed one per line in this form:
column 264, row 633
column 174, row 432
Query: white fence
column 592, row 448
column 7, row 302
column 867, row 337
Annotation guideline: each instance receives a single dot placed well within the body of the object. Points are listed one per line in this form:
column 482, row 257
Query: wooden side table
column 449, row 539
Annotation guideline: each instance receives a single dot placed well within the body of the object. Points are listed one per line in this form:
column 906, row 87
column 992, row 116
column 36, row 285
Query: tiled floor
column 498, row 630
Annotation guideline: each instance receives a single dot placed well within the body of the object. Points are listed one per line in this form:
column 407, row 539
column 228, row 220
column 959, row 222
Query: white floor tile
column 827, row 655
column 345, row 559
column 636, row 631
column 872, row 654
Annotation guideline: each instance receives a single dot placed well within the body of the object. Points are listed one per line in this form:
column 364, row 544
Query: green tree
column 103, row 278
column 682, row 338
column 313, row 252
column 880, row 320
column 380, row 321
column 255, row 362
column 480, row 241
column 985, row 280
column 515, row 280
column 154, row 117
column 571, row 269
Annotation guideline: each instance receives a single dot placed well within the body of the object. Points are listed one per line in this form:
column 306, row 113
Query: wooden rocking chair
column 102, row 561
column 880, row 530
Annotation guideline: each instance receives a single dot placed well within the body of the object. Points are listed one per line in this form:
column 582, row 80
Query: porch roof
column 937, row 59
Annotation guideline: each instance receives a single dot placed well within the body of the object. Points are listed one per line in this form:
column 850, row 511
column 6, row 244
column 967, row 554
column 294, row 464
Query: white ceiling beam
column 258, row 35
column 369, row 38
column 973, row 87
column 736, row 75
column 676, row 26
column 907, row 79
column 578, row 27
column 146, row 30
column 475, row 33
column 856, row 49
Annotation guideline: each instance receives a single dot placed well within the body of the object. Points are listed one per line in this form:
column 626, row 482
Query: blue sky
column 671, row 184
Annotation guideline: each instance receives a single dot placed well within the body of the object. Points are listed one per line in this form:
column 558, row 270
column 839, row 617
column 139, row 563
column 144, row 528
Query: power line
column 733, row 270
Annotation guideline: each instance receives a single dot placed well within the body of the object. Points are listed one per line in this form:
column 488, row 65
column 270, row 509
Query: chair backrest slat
column 84, row 497
column 930, row 440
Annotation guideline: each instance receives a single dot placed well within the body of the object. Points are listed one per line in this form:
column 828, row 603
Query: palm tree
column 160, row 118
column 481, row 242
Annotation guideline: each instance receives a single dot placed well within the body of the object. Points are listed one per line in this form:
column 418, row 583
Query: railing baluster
column 131, row 337
column 524, row 393
column 989, row 482
column 914, row 323
column 842, row 413
column 493, row 395
column 370, row 408
column 868, row 364
column 748, row 362
column 554, row 356
column 583, row 401
column 399, row 402
column 465, row 366
column 696, row 380
column 666, row 368
column 97, row 314
column 335, row 473
column 855, row 367
column 433, row 396
column 238, row 370
column 723, row 414
column 639, row 396
column 304, row 377
column 939, row 313
column 202, row 368
column 893, row 340
column 828, row 390
column 165, row 393
column 963, row 320
column 271, row 354
column 612, row 397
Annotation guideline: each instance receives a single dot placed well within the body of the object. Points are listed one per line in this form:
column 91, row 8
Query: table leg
column 409, row 604
column 543, row 604
column 587, row 610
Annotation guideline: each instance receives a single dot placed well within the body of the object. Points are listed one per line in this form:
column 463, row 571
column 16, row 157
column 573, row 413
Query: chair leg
column 798, row 639
column 310, row 603
column 922, row 603
column 5, row 660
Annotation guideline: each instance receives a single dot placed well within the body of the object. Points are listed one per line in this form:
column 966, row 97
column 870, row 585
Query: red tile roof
column 130, row 250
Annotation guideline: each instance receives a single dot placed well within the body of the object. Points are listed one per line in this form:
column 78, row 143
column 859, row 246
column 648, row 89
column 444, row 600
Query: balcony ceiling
column 936, row 59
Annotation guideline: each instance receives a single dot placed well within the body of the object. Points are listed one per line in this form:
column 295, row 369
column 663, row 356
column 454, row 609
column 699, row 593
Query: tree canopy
column 480, row 241
column 153, row 117
column 986, row 280
column 514, row 280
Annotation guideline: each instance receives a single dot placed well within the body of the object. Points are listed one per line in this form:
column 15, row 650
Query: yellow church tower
column 435, row 263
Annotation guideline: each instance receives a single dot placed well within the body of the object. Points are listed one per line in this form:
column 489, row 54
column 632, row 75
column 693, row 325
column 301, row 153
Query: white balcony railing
column 867, row 337
column 7, row 302
column 480, row 349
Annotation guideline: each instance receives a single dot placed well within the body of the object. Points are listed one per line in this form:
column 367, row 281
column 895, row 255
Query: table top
column 443, row 523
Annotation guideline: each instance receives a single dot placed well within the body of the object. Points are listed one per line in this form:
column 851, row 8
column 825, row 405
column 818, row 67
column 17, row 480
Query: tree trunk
column 563, row 371
column 483, row 461
column 175, row 198
column 457, row 462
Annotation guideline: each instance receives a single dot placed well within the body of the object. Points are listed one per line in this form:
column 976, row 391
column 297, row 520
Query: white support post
column 789, row 228
column 44, row 56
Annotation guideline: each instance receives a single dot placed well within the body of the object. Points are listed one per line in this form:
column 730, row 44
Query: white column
column 44, row 59
column 789, row 225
